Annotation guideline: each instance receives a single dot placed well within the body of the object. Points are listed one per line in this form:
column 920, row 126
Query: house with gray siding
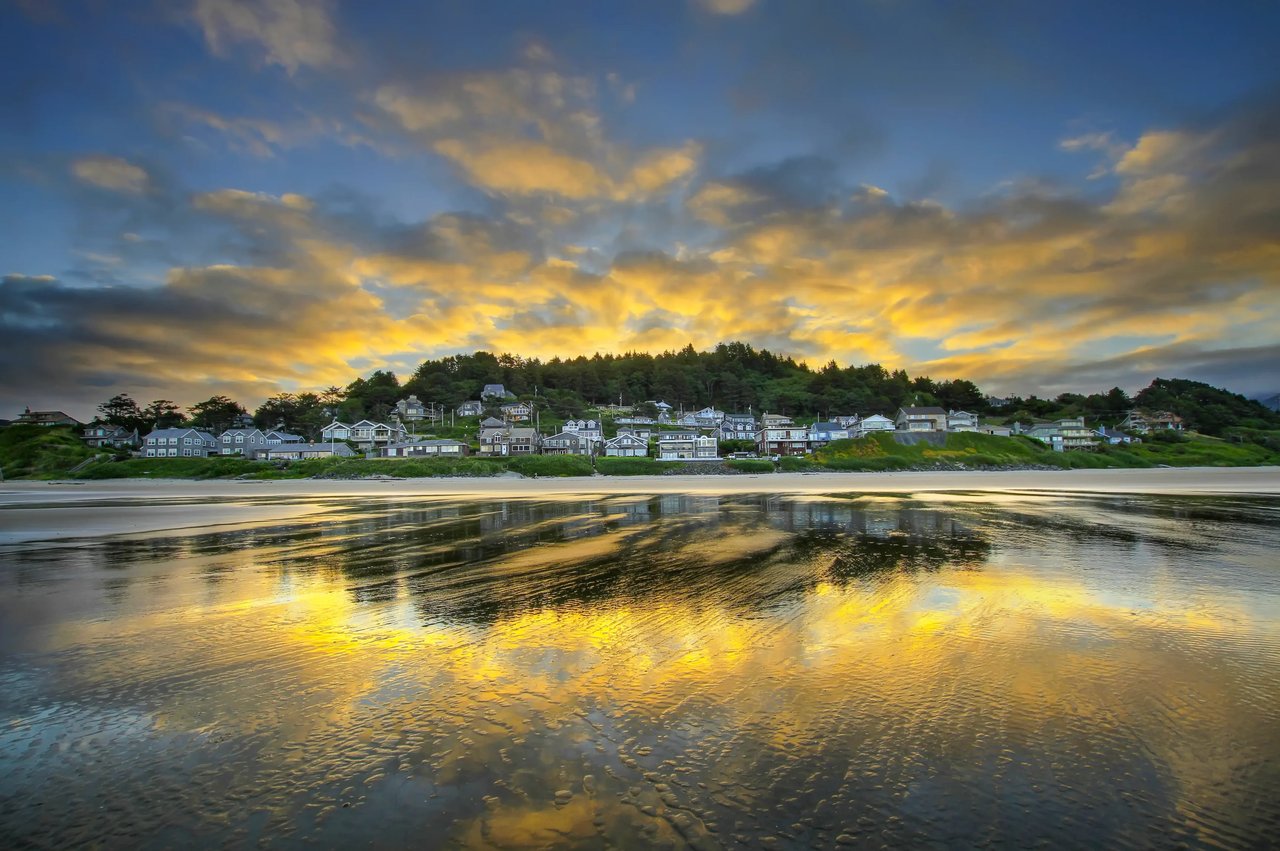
column 179, row 443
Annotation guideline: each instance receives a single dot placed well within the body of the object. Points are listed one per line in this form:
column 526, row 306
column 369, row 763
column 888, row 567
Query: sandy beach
column 60, row 511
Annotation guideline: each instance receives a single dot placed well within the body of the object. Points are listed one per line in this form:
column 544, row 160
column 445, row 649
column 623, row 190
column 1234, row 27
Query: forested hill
column 733, row 376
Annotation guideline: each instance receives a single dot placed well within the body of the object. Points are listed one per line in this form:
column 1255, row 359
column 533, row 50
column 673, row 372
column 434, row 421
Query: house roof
column 492, row 422
column 235, row 431
column 626, row 437
column 493, row 390
column 826, row 427
column 440, row 442
column 926, row 410
column 179, row 432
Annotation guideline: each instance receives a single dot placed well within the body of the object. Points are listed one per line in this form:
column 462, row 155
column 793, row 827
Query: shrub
column 750, row 465
column 633, row 466
column 550, row 465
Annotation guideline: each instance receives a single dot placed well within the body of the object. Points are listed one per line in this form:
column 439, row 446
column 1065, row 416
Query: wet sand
column 59, row 511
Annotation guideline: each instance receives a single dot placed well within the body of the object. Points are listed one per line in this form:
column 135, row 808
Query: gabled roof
column 626, row 437
column 180, row 432
column 335, row 424
column 492, row 422
column 245, row 431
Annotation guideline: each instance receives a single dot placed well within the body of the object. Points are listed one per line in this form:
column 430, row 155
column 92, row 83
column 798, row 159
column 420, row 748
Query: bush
column 550, row 465
column 634, row 466
column 750, row 465
column 796, row 464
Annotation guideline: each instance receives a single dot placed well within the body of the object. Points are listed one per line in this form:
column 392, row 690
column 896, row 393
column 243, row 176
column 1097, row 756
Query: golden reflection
column 653, row 706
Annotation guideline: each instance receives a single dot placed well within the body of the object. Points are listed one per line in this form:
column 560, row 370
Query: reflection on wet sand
column 624, row 671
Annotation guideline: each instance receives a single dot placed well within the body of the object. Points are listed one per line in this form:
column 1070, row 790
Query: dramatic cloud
column 932, row 192
column 532, row 131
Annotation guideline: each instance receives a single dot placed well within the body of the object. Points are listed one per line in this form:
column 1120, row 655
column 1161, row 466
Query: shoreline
column 1158, row 480
column 62, row 513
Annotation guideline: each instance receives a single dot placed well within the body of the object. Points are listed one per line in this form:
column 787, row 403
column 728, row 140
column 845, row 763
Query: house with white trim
column 179, row 443
column 687, row 446
column 626, row 445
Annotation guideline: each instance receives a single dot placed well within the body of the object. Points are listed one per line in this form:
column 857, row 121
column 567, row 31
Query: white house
column 962, row 421
column 873, row 423
column 426, row 449
column 519, row 412
column 471, row 409
column 589, row 429
column 687, row 446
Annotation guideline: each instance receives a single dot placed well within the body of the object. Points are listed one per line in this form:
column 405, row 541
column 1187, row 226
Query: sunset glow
column 247, row 196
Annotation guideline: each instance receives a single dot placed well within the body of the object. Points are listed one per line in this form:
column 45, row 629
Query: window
column 186, row 452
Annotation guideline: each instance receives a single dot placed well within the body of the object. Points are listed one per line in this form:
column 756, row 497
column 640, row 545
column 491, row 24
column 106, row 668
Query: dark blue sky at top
column 925, row 99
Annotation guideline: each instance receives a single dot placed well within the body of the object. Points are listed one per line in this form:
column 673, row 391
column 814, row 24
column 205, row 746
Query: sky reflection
column 673, row 669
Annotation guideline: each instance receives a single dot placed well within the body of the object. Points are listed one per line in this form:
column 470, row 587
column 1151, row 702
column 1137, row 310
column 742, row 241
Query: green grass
column 634, row 466
column 40, row 452
column 750, row 465
column 224, row 467
column 550, row 465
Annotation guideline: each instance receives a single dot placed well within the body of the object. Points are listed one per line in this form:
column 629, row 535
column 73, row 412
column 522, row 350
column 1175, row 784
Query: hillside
column 37, row 452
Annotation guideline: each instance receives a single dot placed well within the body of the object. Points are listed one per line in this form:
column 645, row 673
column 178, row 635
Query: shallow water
column 624, row 672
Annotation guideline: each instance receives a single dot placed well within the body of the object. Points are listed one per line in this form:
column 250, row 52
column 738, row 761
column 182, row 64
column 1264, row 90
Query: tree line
column 734, row 377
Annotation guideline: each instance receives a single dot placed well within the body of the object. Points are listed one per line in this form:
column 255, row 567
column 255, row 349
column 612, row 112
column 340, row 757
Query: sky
column 254, row 196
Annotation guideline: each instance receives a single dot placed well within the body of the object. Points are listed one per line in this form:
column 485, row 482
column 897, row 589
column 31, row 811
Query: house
column 635, row 420
column 820, row 434
column 518, row 412
column 850, row 423
column 707, row 417
column 774, row 420
column 645, row 434
column 664, row 410
column 304, row 451
column 102, row 435
column 962, row 421
column 1115, row 437
column 1144, row 422
column 241, row 441
column 495, row 392
column 567, row 443
column 687, row 446
column 873, row 423
column 370, row 435
column 788, row 439
column 523, row 441
column 589, row 429
column 503, row 439
column 920, row 419
column 411, row 410
column 276, row 437
column 179, row 442
column 46, row 418
column 426, row 449
column 1064, row 434
column 626, row 445
column 995, row 430
column 471, row 409
column 366, row 434
column 738, row 427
